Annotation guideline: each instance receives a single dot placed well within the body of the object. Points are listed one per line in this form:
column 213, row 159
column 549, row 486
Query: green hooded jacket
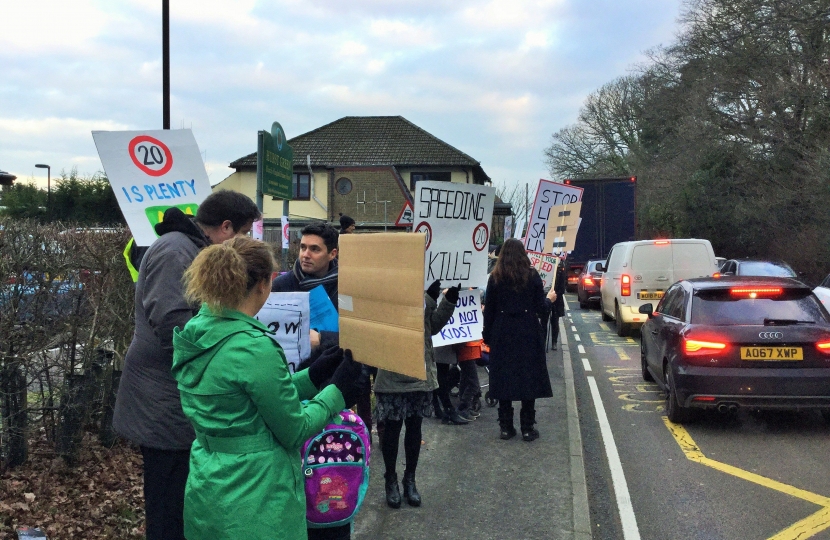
column 245, row 406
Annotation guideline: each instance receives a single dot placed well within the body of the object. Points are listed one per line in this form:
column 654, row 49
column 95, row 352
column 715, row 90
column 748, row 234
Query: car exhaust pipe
column 723, row 408
column 727, row 408
column 733, row 408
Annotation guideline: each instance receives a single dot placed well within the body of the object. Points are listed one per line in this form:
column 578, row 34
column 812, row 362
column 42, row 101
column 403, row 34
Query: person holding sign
column 402, row 400
column 518, row 371
column 244, row 404
column 148, row 410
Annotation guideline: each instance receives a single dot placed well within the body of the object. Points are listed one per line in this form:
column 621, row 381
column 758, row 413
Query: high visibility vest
column 127, row 251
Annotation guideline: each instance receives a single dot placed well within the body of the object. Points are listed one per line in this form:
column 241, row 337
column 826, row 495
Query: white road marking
column 576, row 337
column 627, row 517
column 573, row 328
column 580, row 348
column 586, row 365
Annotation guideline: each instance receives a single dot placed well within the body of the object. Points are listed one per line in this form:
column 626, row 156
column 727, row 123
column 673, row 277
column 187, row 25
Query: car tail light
column 587, row 281
column 625, row 287
column 695, row 347
column 716, row 275
column 823, row 347
column 754, row 292
column 661, row 243
column 703, row 398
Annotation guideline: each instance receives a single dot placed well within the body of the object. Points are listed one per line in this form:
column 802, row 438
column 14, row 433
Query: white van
column 639, row 272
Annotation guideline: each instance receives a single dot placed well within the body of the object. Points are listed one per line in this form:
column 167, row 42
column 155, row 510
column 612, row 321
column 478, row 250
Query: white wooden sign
column 456, row 219
column 547, row 194
column 149, row 172
column 546, row 265
column 466, row 323
column 287, row 314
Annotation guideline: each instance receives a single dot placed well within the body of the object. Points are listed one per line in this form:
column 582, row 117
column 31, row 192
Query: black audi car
column 738, row 341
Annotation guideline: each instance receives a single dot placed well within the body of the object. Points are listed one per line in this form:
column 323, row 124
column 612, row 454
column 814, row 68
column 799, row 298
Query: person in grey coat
column 148, row 408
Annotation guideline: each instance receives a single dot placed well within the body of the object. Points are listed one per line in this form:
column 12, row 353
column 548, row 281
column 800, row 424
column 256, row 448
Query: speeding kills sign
column 456, row 220
column 149, row 172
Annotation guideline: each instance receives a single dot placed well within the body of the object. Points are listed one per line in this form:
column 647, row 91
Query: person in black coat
column 512, row 329
column 558, row 303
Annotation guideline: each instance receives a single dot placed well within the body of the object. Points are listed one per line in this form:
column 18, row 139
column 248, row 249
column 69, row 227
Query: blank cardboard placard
column 381, row 297
column 563, row 224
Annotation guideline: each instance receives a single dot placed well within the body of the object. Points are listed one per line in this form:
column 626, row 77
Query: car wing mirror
column 600, row 268
column 647, row 309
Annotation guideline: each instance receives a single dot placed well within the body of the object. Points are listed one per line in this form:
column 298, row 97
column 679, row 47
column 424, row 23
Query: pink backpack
column 336, row 469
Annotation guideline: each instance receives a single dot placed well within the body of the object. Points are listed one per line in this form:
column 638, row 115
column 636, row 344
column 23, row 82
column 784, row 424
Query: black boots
column 410, row 492
column 527, row 418
column 451, row 416
column 506, row 423
column 393, row 493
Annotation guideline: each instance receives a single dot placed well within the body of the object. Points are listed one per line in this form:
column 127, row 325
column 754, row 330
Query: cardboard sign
column 406, row 215
column 547, row 194
column 466, row 323
column 149, row 172
column 287, row 314
column 381, row 290
column 456, row 220
column 563, row 225
column 546, row 265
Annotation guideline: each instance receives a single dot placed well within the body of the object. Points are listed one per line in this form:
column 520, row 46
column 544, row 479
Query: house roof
column 359, row 141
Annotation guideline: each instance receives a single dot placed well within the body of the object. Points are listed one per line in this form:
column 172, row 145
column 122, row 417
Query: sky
column 493, row 78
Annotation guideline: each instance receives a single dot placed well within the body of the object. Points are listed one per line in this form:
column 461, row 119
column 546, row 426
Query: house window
column 301, row 187
column 416, row 177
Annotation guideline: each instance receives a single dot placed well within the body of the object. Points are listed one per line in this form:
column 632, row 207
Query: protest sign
column 287, row 314
column 323, row 314
column 381, row 289
column 258, row 229
column 149, row 172
column 456, row 220
column 545, row 264
column 547, row 194
column 520, row 227
column 284, row 228
column 508, row 228
column 562, row 227
column 466, row 323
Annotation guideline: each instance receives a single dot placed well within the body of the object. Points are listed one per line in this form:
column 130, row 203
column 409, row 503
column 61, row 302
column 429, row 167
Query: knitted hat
column 345, row 222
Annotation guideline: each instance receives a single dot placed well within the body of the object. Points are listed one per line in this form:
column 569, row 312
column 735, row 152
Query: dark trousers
column 411, row 444
column 443, row 391
column 469, row 387
column 165, row 476
column 554, row 328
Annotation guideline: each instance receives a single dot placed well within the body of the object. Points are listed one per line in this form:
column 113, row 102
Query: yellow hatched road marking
column 622, row 354
column 806, row 528
column 604, row 326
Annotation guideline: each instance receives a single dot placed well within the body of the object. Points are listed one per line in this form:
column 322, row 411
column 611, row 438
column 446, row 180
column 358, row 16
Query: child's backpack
column 336, row 469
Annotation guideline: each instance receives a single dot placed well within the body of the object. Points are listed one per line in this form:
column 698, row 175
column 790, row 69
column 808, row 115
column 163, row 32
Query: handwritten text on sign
column 150, row 171
column 466, row 323
column 456, row 219
column 287, row 314
column 547, row 194
column 546, row 266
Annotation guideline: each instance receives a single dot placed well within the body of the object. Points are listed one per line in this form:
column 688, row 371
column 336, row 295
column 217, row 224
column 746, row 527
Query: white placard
column 284, row 225
column 508, row 228
column 257, row 231
column 547, row 194
column 149, row 172
column 288, row 315
column 519, row 229
column 456, row 219
column 546, row 265
column 466, row 323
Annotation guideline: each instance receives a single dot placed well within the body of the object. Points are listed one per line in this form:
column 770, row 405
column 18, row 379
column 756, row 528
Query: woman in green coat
column 244, row 404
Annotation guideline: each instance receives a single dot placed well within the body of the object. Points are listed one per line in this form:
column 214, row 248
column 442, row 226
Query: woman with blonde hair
column 245, row 405
column 518, row 370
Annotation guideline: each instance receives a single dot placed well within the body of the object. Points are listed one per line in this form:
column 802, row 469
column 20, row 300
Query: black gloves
column 350, row 378
column 452, row 294
column 323, row 368
column 434, row 290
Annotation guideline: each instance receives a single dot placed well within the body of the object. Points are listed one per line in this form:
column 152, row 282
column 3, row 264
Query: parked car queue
column 744, row 333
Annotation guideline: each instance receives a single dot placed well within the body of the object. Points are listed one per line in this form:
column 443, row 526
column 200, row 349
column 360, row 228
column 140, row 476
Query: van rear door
column 651, row 270
column 692, row 259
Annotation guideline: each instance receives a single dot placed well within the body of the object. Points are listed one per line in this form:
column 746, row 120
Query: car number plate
column 772, row 354
column 646, row 295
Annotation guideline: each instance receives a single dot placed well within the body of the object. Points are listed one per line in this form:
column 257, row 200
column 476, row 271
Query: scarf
column 309, row 282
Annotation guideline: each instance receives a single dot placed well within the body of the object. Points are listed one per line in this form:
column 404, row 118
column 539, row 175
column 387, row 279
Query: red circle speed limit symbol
column 481, row 235
column 150, row 155
column 425, row 228
column 285, row 232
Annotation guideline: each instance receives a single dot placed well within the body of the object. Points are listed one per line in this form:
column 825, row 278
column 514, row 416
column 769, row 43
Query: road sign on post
column 275, row 163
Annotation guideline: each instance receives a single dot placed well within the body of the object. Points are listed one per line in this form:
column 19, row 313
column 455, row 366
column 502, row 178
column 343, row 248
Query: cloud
column 35, row 27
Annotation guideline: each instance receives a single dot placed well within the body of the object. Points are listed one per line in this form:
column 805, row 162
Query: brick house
column 362, row 166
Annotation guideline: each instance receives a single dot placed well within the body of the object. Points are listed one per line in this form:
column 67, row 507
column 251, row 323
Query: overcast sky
column 493, row 78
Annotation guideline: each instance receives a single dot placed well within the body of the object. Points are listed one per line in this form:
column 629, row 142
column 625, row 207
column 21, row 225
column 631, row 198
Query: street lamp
column 48, row 189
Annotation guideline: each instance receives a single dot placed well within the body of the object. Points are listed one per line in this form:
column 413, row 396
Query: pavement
column 475, row 485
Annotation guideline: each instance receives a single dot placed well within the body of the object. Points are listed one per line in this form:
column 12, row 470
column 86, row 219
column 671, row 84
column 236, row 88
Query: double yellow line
column 807, row 527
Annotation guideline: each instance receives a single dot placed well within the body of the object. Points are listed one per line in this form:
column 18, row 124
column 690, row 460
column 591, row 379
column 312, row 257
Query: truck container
column 608, row 217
